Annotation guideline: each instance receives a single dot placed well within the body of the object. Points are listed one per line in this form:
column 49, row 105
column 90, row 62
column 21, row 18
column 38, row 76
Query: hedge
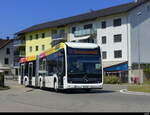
column 112, row 80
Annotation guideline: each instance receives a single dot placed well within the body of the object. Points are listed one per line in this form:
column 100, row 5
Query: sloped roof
column 84, row 17
column 3, row 43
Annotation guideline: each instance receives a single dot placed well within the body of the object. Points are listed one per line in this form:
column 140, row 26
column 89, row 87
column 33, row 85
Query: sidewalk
column 115, row 87
column 14, row 86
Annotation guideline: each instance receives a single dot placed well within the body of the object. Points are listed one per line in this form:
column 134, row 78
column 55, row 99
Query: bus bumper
column 83, row 86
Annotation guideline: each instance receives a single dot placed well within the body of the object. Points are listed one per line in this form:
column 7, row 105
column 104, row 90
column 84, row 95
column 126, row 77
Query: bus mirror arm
column 59, row 73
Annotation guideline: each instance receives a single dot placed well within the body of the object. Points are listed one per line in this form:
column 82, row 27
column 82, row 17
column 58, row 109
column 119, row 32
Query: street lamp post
column 139, row 45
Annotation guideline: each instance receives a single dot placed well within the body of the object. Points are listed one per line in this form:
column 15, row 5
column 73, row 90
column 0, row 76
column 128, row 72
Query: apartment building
column 6, row 57
column 121, row 31
column 39, row 40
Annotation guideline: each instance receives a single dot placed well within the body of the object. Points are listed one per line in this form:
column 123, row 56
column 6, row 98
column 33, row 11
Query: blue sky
column 16, row 15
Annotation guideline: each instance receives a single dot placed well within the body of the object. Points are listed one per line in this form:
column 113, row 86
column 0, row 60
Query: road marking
column 125, row 91
column 28, row 90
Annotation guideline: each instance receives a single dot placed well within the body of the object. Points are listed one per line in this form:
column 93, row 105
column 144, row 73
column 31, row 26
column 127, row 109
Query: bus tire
column 55, row 86
column 41, row 84
column 25, row 82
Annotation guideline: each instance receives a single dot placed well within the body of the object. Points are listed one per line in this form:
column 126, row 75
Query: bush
column 111, row 80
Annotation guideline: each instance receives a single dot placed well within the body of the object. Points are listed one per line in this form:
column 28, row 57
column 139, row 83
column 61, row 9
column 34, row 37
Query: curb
column 28, row 90
column 125, row 91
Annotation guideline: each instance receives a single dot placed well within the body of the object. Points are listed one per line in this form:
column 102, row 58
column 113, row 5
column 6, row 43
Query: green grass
column 140, row 88
column 4, row 88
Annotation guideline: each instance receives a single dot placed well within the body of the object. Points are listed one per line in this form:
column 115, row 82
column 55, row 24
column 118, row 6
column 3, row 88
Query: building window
column 30, row 37
column 117, row 22
column 104, row 54
column 54, row 31
column 118, row 54
column 6, row 72
column 148, row 8
column 104, row 40
column 36, row 48
column 73, row 29
column 62, row 31
column 43, row 47
column 8, row 51
column 118, row 38
column 43, row 35
column 103, row 24
column 36, row 36
column 16, row 72
column 6, row 61
column 88, row 26
column 30, row 49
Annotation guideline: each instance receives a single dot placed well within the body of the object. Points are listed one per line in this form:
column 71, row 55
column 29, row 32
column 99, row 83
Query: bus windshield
column 84, row 64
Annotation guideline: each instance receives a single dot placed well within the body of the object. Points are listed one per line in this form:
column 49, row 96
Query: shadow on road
column 94, row 91
column 88, row 92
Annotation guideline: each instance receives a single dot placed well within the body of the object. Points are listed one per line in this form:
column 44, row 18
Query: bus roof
column 82, row 45
column 57, row 48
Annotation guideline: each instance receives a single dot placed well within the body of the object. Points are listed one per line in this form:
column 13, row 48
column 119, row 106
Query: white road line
column 125, row 91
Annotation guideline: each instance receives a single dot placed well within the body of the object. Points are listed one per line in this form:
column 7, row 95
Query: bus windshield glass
column 84, row 61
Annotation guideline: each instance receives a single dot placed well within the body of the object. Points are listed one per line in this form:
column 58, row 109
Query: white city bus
column 65, row 66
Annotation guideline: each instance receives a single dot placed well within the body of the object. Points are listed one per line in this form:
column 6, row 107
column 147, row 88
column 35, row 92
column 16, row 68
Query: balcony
column 18, row 54
column 18, row 43
column 22, row 54
column 84, row 32
column 58, row 38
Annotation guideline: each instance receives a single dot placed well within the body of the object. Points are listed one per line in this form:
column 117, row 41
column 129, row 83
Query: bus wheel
column 41, row 84
column 25, row 83
column 55, row 86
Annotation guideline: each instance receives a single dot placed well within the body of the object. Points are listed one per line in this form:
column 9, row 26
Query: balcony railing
column 19, row 43
column 83, row 32
column 22, row 54
column 59, row 36
column 19, row 54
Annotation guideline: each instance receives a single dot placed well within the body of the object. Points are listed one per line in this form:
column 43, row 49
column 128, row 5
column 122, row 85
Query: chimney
column 7, row 37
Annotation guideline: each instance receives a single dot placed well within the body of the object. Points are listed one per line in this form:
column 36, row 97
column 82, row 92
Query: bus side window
column 51, row 64
column 34, row 68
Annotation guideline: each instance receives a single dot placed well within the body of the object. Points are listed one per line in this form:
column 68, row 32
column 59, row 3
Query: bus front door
column 44, row 72
column 30, row 73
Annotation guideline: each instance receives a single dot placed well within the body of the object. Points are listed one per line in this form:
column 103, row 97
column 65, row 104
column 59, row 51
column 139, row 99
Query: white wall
column 140, row 28
column 3, row 55
column 109, row 32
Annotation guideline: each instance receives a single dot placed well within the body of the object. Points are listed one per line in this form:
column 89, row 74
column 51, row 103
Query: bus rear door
column 22, row 73
column 30, row 73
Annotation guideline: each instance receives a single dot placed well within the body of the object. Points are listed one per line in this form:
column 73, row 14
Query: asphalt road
column 20, row 99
